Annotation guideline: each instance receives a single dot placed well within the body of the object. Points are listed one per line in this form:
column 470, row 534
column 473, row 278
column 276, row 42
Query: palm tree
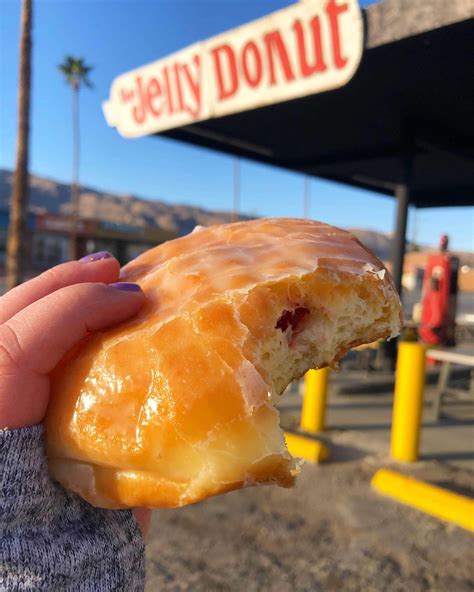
column 76, row 73
column 19, row 202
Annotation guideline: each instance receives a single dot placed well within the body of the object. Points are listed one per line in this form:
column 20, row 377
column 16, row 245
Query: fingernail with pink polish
column 99, row 256
column 126, row 287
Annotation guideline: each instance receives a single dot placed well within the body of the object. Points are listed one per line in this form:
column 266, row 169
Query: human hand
column 42, row 319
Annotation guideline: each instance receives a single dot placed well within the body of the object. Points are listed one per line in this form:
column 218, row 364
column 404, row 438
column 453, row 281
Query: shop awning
column 391, row 109
column 412, row 97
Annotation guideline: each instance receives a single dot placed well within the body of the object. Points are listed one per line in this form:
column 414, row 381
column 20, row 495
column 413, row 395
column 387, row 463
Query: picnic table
column 448, row 358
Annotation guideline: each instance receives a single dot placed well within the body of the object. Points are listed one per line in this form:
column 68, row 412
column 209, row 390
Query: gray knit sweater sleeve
column 52, row 539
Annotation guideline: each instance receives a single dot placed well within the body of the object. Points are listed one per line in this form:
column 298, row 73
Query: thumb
column 34, row 341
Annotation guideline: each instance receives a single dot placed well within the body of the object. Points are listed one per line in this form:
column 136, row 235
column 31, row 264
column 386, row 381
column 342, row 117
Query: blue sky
column 117, row 35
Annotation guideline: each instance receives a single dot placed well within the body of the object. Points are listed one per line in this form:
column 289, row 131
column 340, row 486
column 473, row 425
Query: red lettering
column 274, row 40
column 169, row 97
column 126, row 95
column 333, row 11
column 139, row 111
column 318, row 65
column 233, row 82
column 154, row 91
column 194, row 86
column 177, row 77
column 251, row 49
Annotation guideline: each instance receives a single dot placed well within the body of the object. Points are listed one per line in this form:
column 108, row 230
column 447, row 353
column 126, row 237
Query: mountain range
column 51, row 196
column 54, row 197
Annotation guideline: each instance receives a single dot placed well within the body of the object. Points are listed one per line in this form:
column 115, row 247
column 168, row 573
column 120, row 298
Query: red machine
column 440, row 288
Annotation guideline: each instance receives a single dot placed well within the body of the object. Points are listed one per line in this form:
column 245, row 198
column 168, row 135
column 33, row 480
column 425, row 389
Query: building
column 48, row 238
column 414, row 268
column 4, row 222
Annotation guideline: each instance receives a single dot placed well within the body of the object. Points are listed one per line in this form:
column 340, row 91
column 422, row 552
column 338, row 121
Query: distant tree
column 16, row 247
column 76, row 73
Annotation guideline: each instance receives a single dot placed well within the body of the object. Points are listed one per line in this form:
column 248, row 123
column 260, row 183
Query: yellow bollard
column 305, row 448
column 314, row 402
column 428, row 498
column 408, row 401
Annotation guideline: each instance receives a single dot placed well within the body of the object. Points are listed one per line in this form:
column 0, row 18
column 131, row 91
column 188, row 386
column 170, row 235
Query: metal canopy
column 412, row 98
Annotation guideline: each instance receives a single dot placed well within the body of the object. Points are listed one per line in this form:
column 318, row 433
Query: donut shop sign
column 307, row 48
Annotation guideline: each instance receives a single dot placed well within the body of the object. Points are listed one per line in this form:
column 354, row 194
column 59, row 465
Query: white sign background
column 307, row 48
